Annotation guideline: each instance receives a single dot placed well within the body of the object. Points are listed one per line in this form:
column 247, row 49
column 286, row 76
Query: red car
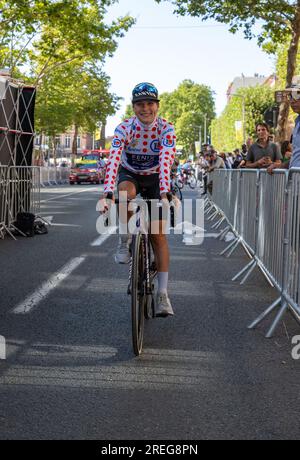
column 87, row 172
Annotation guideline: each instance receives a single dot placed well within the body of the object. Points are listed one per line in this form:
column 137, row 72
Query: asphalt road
column 70, row 372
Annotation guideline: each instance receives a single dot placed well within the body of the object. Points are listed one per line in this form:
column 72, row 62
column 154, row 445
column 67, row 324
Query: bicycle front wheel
column 138, row 295
column 192, row 182
column 179, row 183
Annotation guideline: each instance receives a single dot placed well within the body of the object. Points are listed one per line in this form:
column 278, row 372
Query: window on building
column 68, row 142
column 57, row 141
column 78, row 142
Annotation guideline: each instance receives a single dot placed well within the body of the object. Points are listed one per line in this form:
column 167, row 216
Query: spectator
column 237, row 161
column 249, row 142
column 294, row 96
column 263, row 153
column 216, row 162
column 286, row 151
column 230, row 158
column 242, row 164
column 205, row 166
column 244, row 151
column 225, row 159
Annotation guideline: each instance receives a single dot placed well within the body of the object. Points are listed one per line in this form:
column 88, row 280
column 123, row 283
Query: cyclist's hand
column 103, row 203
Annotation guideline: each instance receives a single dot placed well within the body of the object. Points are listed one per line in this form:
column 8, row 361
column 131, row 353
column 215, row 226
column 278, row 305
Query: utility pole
column 205, row 136
column 200, row 137
column 243, row 98
column 244, row 121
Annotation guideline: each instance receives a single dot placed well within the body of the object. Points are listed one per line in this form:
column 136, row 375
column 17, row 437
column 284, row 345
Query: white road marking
column 34, row 299
column 211, row 235
column 69, row 194
column 98, row 241
column 37, row 296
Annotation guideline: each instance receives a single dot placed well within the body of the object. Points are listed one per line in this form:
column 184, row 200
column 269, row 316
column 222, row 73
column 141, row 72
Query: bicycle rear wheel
column 138, row 295
column 177, row 192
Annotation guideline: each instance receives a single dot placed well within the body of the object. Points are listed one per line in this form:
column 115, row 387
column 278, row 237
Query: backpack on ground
column 25, row 223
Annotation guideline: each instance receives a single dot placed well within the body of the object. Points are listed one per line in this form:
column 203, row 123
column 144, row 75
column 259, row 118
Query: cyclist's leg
column 161, row 251
column 127, row 189
column 160, row 245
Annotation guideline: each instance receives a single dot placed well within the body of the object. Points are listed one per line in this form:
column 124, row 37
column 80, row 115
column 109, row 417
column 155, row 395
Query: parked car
column 87, row 172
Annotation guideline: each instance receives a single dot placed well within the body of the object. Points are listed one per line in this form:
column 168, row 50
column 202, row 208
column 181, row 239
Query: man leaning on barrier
column 293, row 95
column 263, row 153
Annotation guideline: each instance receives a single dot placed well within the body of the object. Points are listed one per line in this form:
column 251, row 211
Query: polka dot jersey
column 142, row 149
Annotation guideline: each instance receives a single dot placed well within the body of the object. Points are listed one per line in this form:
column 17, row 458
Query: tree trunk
column 74, row 146
column 291, row 67
column 102, row 136
column 54, row 150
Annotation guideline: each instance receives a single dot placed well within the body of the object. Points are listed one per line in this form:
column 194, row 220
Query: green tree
column 60, row 46
column 73, row 96
column 46, row 34
column 190, row 107
column 280, row 22
column 257, row 100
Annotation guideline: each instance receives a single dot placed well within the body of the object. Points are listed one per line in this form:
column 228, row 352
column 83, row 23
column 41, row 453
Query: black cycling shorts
column 147, row 186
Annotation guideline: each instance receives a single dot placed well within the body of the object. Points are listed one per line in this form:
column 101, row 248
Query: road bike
column 142, row 274
column 189, row 178
column 176, row 186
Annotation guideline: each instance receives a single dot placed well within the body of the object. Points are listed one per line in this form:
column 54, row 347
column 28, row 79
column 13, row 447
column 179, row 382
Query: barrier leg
column 295, row 313
column 224, row 233
column 234, row 247
column 214, row 215
column 208, row 210
column 261, row 317
column 217, row 224
column 277, row 319
column 265, row 275
column 248, row 267
column 248, row 273
column 229, row 247
column 2, row 229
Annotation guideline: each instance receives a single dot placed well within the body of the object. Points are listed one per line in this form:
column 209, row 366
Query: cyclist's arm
column 114, row 159
column 166, row 159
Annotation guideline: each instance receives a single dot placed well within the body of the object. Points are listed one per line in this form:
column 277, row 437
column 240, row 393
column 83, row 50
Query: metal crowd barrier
column 20, row 192
column 54, row 176
column 3, row 199
column 264, row 214
column 291, row 288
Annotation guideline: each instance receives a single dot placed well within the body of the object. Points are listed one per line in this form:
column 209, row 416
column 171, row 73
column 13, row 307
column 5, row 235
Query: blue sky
column 165, row 49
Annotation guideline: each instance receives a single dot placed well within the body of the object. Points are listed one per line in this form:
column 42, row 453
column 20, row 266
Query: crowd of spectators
column 263, row 153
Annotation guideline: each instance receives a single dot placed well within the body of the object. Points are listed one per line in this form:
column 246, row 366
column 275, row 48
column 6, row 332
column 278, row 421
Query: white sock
column 162, row 282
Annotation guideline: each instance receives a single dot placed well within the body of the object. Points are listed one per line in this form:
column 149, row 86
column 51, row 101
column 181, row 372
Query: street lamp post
column 200, row 134
column 200, row 137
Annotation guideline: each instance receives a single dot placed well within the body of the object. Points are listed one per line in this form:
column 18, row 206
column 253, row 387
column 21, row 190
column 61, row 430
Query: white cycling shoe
column 163, row 306
column 123, row 254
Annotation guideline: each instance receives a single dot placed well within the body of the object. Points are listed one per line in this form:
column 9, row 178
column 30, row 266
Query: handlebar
column 117, row 201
